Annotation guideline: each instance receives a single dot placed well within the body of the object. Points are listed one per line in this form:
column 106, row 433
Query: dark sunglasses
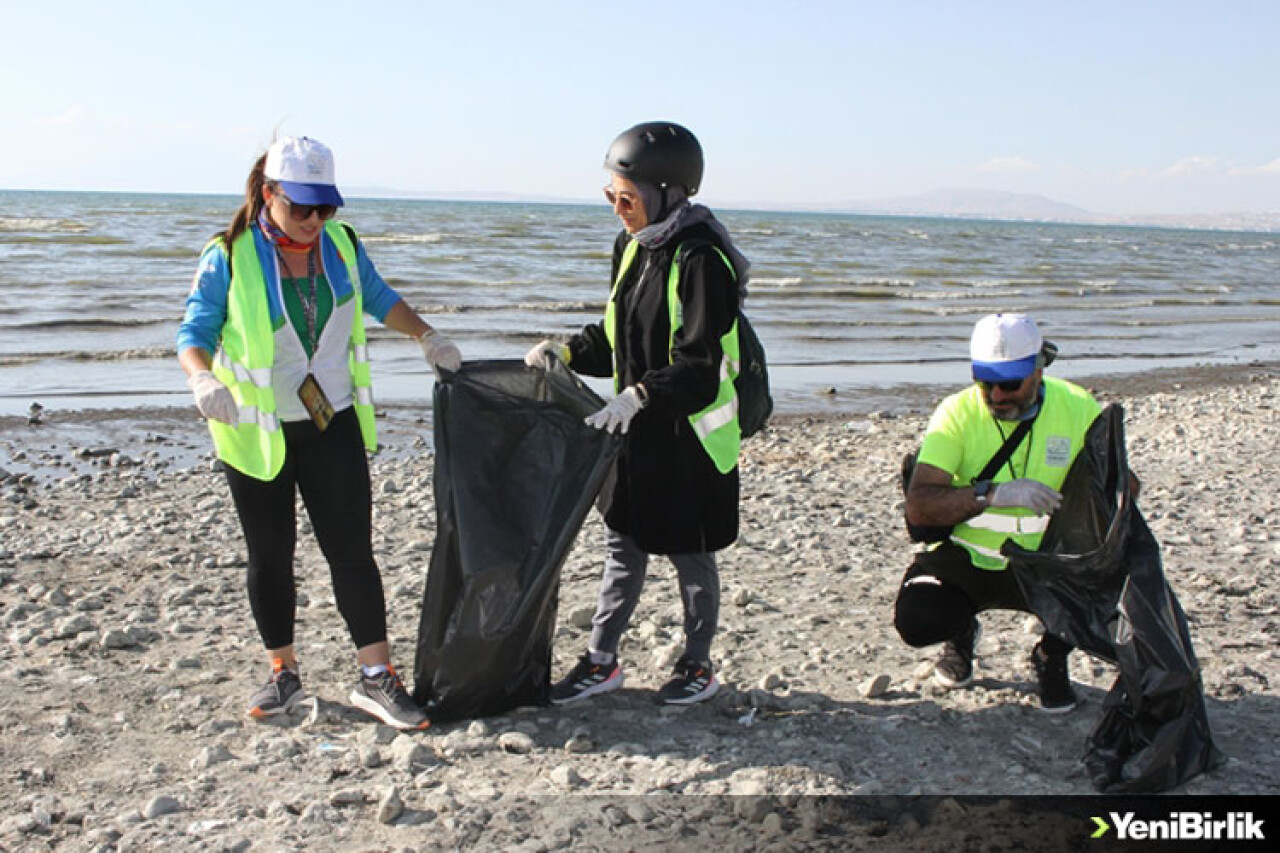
column 1008, row 386
column 302, row 212
column 629, row 201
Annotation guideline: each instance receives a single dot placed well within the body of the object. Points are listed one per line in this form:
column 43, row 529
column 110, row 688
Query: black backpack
column 752, row 383
column 755, row 404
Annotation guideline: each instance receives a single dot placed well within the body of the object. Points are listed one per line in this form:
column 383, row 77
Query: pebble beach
column 127, row 653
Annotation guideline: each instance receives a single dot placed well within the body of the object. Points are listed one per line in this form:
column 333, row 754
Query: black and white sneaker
column 587, row 679
column 279, row 695
column 383, row 696
column 692, row 682
column 1056, row 695
column 954, row 668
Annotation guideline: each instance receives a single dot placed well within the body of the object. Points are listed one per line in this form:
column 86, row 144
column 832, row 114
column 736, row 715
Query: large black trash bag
column 516, row 472
column 1097, row 581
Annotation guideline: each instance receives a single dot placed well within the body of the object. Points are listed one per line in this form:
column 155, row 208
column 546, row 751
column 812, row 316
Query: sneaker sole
column 1057, row 709
column 707, row 692
column 292, row 702
column 606, row 686
column 373, row 709
column 950, row 683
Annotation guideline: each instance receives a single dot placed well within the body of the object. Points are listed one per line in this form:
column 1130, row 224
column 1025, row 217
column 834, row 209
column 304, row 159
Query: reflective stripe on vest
column 717, row 425
column 255, row 445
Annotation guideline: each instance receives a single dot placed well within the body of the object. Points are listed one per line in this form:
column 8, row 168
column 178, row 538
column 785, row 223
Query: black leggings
column 942, row 591
column 331, row 472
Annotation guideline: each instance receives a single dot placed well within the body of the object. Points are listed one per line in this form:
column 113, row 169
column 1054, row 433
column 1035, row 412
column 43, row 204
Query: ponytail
column 252, row 206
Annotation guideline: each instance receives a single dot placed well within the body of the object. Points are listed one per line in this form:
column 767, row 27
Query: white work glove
column 213, row 399
column 541, row 355
column 1026, row 493
column 618, row 413
column 440, row 352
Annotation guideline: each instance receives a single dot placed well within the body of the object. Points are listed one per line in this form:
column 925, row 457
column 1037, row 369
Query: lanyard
column 308, row 300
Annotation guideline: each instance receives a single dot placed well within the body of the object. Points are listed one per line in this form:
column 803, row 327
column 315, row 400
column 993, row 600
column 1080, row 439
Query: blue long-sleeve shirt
column 206, row 312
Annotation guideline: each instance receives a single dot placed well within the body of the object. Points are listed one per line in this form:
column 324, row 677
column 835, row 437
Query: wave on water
column 90, row 323
column 427, row 238
column 19, row 359
column 177, row 252
column 70, row 238
column 37, row 223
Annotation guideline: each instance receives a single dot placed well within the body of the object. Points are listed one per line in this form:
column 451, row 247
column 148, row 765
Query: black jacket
column 667, row 494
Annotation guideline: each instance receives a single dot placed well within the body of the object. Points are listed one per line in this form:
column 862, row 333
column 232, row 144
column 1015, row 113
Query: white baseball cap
column 1004, row 347
column 304, row 169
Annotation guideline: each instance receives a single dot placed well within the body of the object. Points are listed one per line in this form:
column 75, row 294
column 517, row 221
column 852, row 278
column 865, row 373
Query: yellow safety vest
column 717, row 425
column 1046, row 455
column 246, row 353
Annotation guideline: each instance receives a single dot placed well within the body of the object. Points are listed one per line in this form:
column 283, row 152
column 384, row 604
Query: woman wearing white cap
column 273, row 345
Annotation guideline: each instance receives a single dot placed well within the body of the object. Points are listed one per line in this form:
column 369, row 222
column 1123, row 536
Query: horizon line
column 1268, row 221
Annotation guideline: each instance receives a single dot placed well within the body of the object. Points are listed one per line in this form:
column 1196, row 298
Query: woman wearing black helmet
column 669, row 340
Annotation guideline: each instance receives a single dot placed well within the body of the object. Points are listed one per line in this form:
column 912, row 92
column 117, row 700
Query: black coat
column 667, row 494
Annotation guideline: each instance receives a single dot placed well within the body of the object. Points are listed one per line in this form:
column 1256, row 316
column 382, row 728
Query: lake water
column 92, row 286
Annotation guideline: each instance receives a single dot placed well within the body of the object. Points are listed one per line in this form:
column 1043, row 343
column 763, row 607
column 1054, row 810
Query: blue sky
column 1118, row 107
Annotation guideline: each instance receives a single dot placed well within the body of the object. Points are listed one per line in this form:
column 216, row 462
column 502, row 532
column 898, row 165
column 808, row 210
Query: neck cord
column 308, row 300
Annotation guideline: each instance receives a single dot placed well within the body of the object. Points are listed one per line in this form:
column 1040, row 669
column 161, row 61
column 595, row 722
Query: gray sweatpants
column 624, row 571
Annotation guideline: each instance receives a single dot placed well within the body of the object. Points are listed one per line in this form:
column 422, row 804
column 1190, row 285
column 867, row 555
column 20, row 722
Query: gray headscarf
column 680, row 215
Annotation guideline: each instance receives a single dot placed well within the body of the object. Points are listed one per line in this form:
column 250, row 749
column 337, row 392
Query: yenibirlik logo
column 1182, row 826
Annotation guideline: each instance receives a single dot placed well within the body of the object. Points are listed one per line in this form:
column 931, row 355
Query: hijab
column 670, row 212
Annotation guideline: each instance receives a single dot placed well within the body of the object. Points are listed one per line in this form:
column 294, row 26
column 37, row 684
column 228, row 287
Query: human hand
column 541, row 355
column 618, row 412
column 440, row 352
column 213, row 399
column 1026, row 493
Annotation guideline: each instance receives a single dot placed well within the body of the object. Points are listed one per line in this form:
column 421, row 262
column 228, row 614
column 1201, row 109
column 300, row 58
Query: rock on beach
column 127, row 653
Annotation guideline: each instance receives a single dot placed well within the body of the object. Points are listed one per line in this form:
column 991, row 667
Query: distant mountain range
column 994, row 204
column 984, row 204
column 957, row 203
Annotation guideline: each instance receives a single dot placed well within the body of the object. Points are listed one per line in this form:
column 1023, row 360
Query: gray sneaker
column 385, row 698
column 954, row 668
column 279, row 695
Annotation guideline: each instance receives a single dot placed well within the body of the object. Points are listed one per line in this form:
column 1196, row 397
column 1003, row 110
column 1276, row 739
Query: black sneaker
column 383, row 696
column 1056, row 695
column 587, row 679
column 954, row 668
column 279, row 695
column 692, row 682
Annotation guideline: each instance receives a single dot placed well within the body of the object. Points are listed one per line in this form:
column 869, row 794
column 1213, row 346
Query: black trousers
column 942, row 591
column 331, row 472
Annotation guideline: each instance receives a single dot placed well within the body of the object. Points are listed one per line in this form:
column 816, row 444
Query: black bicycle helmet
column 661, row 153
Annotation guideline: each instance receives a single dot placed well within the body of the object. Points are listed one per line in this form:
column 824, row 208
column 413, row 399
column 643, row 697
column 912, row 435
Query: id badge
column 312, row 396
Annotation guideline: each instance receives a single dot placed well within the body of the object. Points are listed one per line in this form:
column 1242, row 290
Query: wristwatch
column 982, row 491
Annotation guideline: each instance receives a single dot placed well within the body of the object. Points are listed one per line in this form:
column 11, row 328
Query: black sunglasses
column 302, row 212
column 628, row 200
column 1008, row 386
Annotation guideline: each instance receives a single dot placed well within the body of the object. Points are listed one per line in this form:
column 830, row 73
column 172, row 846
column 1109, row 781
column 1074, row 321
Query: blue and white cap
column 304, row 169
column 1004, row 347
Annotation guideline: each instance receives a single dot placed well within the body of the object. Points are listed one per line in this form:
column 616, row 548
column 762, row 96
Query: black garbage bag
column 1097, row 582
column 516, row 471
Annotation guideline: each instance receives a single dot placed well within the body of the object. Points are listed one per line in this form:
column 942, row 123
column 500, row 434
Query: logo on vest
column 1057, row 451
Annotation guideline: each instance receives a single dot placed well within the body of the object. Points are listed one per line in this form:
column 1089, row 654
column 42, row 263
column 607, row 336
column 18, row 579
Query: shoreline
column 174, row 437
column 128, row 652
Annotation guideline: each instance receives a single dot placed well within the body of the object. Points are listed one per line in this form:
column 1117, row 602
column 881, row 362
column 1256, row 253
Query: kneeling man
column 949, row 584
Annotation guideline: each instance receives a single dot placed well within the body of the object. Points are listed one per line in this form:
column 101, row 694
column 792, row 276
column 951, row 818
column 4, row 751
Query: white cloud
column 73, row 115
column 1191, row 166
column 1272, row 168
column 1008, row 164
